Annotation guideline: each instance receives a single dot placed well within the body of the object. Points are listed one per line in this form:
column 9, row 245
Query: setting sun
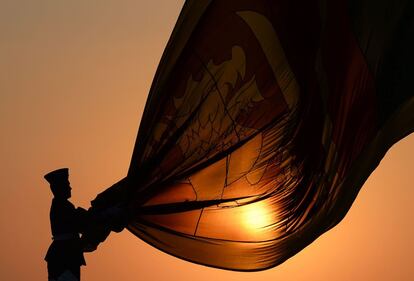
column 257, row 216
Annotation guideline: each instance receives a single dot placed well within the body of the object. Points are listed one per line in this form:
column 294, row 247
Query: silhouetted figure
column 65, row 255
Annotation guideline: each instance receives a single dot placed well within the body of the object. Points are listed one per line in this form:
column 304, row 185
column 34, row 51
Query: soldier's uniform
column 65, row 255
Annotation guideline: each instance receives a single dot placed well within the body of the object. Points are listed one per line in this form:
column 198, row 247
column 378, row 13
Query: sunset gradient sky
column 74, row 77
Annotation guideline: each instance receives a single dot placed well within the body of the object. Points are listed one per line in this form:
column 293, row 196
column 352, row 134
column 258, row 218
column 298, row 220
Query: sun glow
column 257, row 216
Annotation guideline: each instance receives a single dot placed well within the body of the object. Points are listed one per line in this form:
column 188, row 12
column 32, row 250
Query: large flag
column 263, row 122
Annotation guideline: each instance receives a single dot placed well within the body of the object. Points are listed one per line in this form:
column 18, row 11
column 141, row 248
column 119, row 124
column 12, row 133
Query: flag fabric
column 263, row 122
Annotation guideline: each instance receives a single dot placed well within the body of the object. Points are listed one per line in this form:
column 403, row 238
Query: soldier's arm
column 83, row 218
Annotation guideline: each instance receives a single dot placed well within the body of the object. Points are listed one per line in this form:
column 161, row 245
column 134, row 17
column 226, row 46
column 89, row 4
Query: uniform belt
column 65, row 236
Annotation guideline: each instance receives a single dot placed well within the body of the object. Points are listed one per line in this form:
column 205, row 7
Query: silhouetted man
column 65, row 255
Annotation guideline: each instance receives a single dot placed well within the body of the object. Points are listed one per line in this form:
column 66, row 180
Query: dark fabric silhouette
column 263, row 121
column 66, row 251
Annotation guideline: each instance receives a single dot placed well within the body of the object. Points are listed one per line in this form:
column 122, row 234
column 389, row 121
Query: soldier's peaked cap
column 57, row 176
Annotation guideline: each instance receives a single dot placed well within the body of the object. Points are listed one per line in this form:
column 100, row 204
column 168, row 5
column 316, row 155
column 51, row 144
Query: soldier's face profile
column 67, row 189
column 63, row 190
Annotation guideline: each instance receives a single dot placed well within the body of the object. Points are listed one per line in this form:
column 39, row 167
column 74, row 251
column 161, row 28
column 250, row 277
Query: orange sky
column 74, row 76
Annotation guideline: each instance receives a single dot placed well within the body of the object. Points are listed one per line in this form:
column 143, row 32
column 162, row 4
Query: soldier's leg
column 68, row 275
column 59, row 273
column 54, row 270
